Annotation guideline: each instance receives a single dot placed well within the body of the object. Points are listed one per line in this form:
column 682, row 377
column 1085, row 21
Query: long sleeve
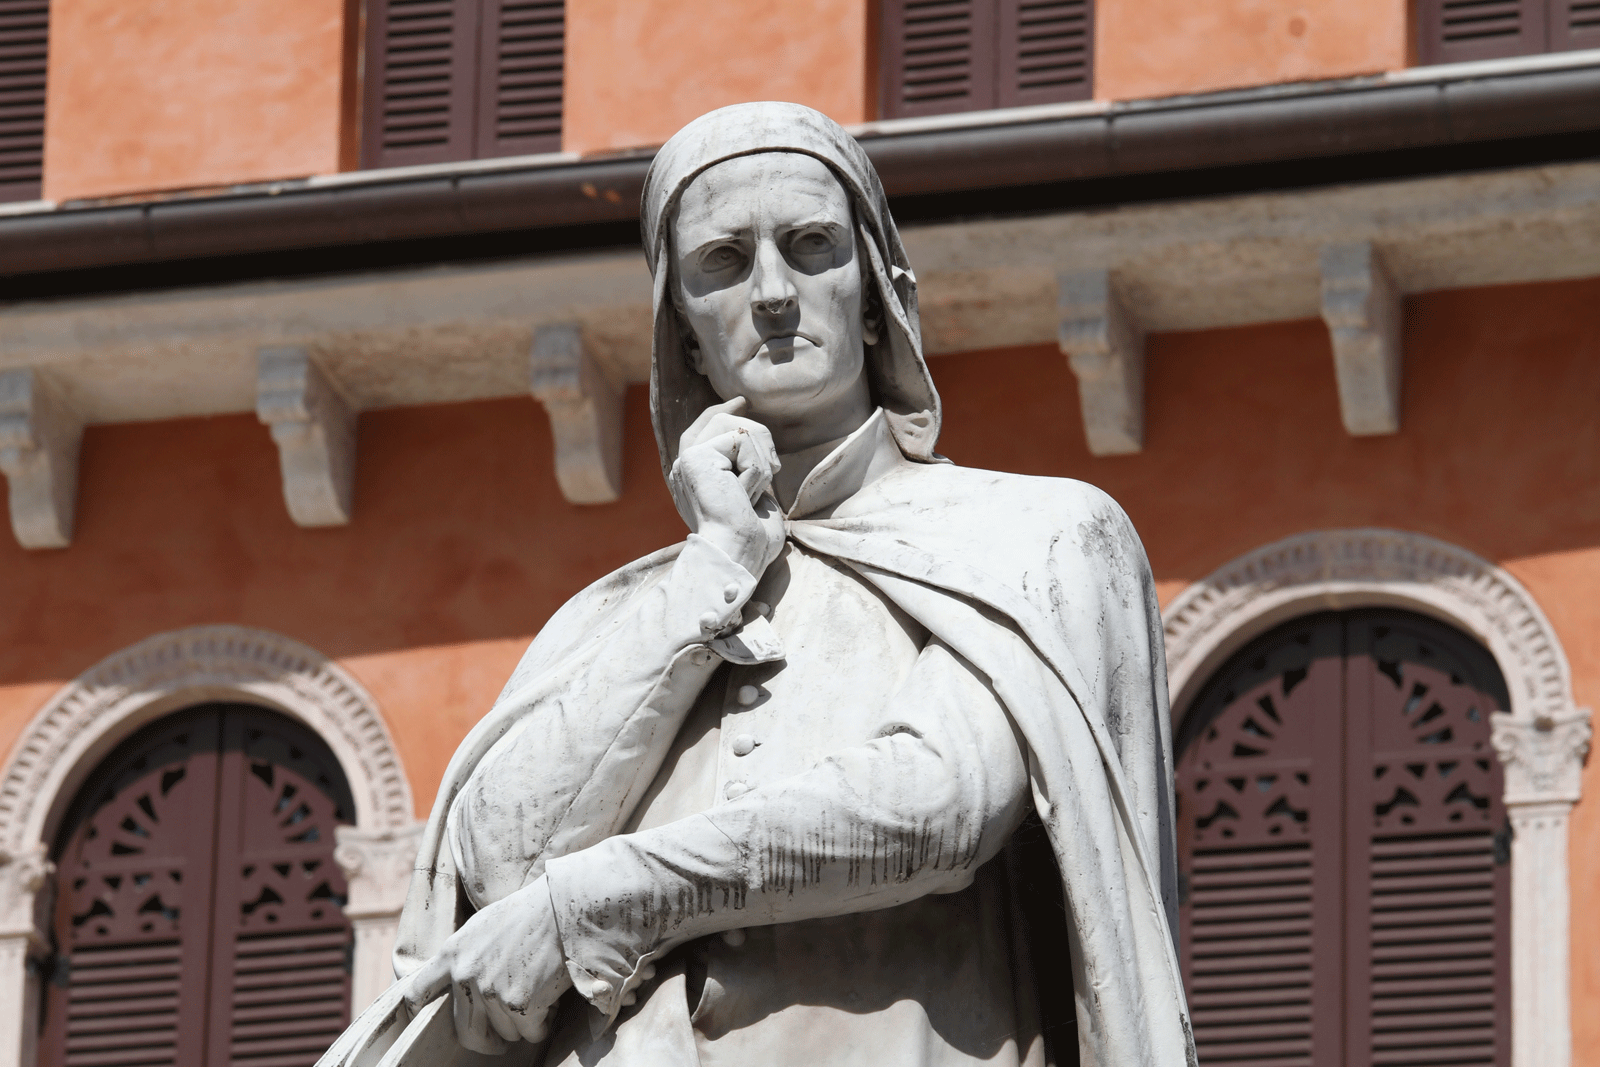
column 598, row 723
column 934, row 791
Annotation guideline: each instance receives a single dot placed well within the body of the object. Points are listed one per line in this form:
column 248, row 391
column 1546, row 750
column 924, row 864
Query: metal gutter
column 1427, row 107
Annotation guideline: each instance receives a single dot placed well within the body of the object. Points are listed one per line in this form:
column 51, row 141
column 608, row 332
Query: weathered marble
column 788, row 792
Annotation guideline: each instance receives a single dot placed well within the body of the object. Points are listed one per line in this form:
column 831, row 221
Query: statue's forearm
column 912, row 812
column 596, row 728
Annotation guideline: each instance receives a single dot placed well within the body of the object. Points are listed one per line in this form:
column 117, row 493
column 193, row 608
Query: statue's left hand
column 504, row 971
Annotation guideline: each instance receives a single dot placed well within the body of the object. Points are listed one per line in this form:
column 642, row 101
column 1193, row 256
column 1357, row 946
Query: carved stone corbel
column 585, row 410
column 1361, row 305
column 377, row 867
column 39, row 438
column 1543, row 760
column 315, row 430
column 1104, row 345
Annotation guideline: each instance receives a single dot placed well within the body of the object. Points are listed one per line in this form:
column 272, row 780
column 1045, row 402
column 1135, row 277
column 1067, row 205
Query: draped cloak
column 1040, row 583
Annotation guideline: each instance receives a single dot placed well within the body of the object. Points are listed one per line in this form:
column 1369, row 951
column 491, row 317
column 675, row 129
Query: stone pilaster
column 1543, row 760
column 377, row 866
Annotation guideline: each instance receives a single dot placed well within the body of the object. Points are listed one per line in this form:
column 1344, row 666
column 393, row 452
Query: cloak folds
column 1043, row 586
column 1039, row 583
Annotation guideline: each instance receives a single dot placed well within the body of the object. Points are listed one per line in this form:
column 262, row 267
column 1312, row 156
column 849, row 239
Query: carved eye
column 720, row 258
column 812, row 243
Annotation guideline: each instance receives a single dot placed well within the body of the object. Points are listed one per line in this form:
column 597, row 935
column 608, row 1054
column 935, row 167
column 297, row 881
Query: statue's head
column 779, row 277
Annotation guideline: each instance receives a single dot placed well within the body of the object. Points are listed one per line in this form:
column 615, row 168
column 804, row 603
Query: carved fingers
column 721, row 479
column 503, row 971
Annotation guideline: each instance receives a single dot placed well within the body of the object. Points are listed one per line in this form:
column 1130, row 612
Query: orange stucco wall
column 637, row 70
column 1146, row 48
column 462, row 546
column 172, row 94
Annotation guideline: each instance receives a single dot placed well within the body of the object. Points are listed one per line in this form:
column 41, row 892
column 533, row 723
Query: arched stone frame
column 1542, row 741
column 80, row 726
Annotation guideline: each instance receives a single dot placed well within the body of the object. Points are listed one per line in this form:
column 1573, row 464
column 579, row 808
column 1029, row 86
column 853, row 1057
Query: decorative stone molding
column 39, row 438
column 22, row 875
column 1543, row 758
column 1542, row 742
column 585, row 409
column 315, row 430
column 377, row 867
column 1104, row 345
column 1361, row 305
column 89, row 716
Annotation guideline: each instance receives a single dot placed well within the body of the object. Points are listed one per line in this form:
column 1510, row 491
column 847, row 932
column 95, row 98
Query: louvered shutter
column 24, row 40
column 200, row 919
column 1345, row 896
column 421, row 62
column 938, row 56
column 1429, row 974
column 1045, row 52
column 520, row 77
column 280, row 972
column 1258, row 839
column 1574, row 24
column 1456, row 31
column 132, row 911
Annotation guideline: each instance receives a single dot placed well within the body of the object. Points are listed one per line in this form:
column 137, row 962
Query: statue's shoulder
column 584, row 616
column 1068, row 500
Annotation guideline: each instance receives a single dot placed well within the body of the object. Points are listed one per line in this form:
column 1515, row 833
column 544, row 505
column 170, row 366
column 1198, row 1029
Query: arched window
column 1343, row 849
column 200, row 916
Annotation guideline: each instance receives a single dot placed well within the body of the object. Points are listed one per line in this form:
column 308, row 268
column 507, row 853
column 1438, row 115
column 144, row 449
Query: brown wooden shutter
column 200, row 914
column 1258, row 834
column 1574, row 24
column 938, row 56
column 520, row 79
column 133, row 905
column 1455, row 31
column 1342, row 841
column 421, row 63
column 1045, row 52
column 1429, row 974
column 24, row 41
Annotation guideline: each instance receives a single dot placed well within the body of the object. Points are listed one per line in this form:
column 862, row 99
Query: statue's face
column 768, row 278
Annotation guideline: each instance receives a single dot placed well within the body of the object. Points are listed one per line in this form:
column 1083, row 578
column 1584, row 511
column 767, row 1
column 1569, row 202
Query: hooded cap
column 896, row 372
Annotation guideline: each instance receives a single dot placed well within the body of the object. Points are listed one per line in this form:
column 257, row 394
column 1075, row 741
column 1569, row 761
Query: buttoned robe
column 785, row 800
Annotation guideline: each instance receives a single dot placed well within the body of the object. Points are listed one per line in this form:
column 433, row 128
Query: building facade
column 323, row 340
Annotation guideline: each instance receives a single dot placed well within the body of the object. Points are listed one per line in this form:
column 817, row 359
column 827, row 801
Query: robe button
column 743, row 745
column 735, row 790
column 710, row 622
column 759, row 608
column 733, row 938
column 731, row 593
column 748, row 694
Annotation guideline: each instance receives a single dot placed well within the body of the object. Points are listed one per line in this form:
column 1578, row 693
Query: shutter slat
column 1045, row 51
column 938, row 56
column 1455, row 31
column 419, row 82
column 522, row 81
column 24, row 44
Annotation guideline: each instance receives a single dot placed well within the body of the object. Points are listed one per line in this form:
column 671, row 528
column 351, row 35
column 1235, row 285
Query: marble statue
column 782, row 793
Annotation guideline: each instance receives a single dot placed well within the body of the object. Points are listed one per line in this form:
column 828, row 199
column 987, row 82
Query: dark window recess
column 449, row 80
column 941, row 56
column 1341, row 835
column 1455, row 31
column 200, row 918
column 24, row 42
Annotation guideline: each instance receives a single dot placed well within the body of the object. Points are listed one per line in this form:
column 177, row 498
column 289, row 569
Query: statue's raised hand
column 721, row 481
column 504, row 971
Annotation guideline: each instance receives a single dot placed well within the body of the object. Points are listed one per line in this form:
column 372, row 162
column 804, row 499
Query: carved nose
column 774, row 305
